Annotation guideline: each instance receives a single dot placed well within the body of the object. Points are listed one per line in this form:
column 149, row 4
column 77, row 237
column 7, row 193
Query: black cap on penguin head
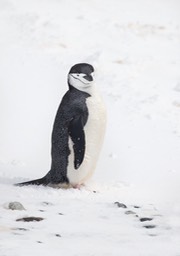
column 83, row 68
column 81, row 77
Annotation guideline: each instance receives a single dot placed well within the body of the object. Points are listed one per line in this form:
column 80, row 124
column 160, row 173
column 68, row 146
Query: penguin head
column 81, row 76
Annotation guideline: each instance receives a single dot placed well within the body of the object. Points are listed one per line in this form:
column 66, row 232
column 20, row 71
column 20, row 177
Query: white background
column 135, row 48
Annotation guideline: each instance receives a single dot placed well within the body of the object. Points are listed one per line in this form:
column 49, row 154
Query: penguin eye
column 77, row 74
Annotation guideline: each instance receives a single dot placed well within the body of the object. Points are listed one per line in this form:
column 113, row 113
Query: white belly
column 94, row 135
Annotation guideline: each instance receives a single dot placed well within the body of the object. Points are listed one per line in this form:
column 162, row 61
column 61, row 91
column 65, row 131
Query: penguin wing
column 76, row 132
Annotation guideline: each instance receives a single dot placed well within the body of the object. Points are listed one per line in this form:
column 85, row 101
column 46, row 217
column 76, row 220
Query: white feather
column 94, row 135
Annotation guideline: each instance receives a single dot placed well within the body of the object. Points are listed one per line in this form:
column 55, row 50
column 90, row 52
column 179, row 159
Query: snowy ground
column 135, row 47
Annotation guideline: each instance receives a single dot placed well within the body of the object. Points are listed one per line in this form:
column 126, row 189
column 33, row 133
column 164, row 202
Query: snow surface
column 135, row 47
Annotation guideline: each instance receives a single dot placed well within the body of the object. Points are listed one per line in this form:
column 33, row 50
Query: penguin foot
column 78, row 186
column 60, row 185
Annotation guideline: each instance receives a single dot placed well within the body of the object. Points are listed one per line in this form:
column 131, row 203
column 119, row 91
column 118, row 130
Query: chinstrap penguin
column 78, row 132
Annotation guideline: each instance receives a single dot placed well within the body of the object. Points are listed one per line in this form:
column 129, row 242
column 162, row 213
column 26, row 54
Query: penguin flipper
column 36, row 182
column 76, row 132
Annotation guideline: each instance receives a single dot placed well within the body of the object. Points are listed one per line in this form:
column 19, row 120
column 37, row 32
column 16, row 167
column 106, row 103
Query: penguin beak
column 88, row 78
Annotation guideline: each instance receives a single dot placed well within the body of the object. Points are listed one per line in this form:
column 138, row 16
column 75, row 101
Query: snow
column 134, row 46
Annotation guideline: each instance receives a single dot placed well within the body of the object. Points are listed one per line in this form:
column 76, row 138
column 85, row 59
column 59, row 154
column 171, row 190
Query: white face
column 80, row 82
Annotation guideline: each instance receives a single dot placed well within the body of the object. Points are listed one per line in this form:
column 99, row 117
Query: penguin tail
column 36, row 182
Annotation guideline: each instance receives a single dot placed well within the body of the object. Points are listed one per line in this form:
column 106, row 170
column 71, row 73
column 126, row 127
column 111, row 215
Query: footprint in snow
column 135, row 210
column 29, row 219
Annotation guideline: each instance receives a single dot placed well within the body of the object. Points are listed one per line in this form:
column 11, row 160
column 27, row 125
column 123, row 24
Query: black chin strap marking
column 79, row 79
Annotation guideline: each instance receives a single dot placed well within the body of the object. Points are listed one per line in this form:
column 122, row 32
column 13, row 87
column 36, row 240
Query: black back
column 70, row 120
